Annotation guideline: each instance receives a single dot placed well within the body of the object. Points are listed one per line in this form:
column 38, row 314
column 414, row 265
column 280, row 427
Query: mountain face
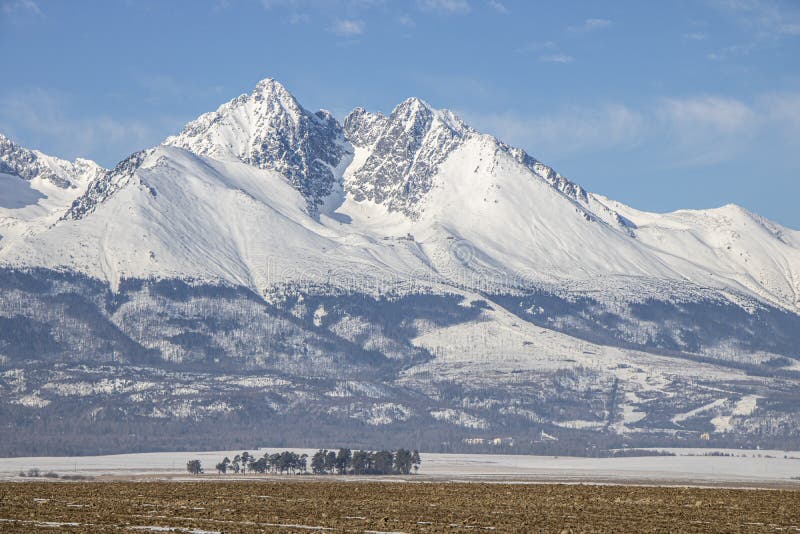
column 36, row 189
column 270, row 130
column 401, row 153
column 391, row 276
column 31, row 165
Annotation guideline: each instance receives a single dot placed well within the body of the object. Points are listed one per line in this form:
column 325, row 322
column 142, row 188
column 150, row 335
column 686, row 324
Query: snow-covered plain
column 688, row 466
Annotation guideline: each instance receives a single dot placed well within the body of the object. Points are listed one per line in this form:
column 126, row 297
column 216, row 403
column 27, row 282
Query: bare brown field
column 293, row 506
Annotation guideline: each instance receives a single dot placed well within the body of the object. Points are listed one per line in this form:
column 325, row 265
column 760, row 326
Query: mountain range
column 273, row 274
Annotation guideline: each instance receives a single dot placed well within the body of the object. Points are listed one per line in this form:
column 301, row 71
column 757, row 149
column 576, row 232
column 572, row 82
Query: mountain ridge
column 397, row 273
column 394, row 163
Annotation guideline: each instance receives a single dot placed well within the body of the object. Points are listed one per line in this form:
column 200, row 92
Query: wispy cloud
column 20, row 7
column 407, row 21
column 782, row 112
column 536, row 47
column 589, row 25
column 546, row 52
column 692, row 131
column 706, row 129
column 556, row 58
column 272, row 4
column 345, row 15
column 445, row 6
column 720, row 114
column 568, row 131
column 770, row 18
column 36, row 118
column 498, row 6
column 695, row 36
column 762, row 23
column 727, row 52
column 347, row 27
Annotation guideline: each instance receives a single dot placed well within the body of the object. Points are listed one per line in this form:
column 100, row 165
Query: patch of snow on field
column 689, row 465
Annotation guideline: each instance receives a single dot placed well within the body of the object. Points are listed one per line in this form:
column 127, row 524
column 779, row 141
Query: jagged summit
column 269, row 129
column 31, row 164
column 270, row 87
column 416, row 171
column 398, row 155
column 401, row 152
column 414, row 108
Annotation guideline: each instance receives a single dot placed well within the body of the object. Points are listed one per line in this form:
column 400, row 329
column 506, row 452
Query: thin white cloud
column 783, row 111
column 695, row 36
column 537, row 47
column 591, row 25
column 556, row 58
column 569, row 131
column 406, row 21
column 446, row 6
column 36, row 118
column 546, row 52
column 733, row 51
column 298, row 18
column 498, row 6
column 762, row 23
column 347, row 27
column 272, row 4
column 220, row 5
column 691, row 131
column 19, row 7
column 719, row 114
column 769, row 18
column 705, row 130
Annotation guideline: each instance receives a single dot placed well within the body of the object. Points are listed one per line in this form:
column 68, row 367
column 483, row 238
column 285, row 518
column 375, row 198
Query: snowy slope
column 36, row 189
column 729, row 243
column 33, row 165
column 185, row 216
column 270, row 130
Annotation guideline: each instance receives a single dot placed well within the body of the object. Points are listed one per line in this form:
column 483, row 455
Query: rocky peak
column 269, row 129
column 405, row 151
column 31, row 164
column 105, row 185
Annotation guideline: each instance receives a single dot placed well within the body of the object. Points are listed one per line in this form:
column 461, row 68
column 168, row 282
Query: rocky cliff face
column 269, row 129
column 403, row 152
column 31, row 164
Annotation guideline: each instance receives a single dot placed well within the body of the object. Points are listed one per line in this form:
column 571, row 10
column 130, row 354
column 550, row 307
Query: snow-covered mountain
column 401, row 270
column 36, row 189
column 269, row 129
column 32, row 165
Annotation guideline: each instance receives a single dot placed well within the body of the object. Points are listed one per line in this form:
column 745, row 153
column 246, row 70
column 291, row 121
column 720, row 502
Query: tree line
column 323, row 462
column 345, row 461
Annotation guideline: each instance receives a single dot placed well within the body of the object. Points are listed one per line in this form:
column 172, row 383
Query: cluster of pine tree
column 345, row 461
column 400, row 462
column 279, row 462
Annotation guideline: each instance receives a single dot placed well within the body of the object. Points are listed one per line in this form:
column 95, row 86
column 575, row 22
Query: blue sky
column 661, row 105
